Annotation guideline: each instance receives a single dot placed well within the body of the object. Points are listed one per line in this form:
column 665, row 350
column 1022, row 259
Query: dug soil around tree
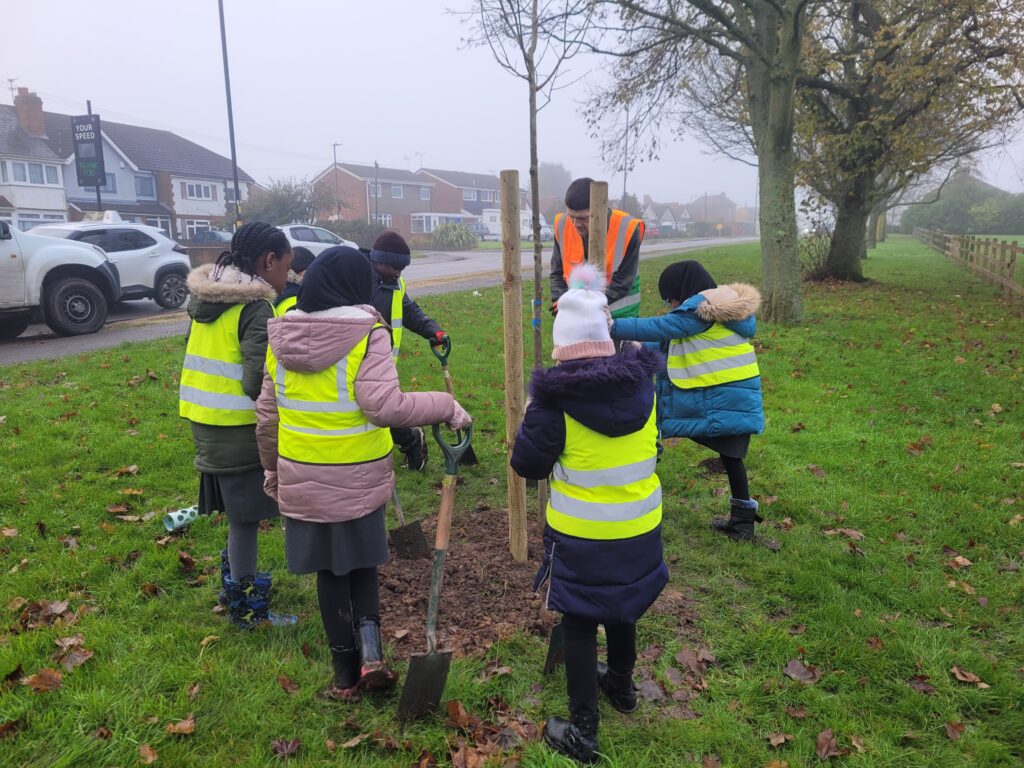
column 486, row 595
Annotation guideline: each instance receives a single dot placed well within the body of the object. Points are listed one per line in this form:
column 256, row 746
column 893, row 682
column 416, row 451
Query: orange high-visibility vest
column 621, row 227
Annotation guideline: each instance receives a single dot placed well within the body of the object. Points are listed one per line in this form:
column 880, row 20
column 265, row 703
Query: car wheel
column 171, row 290
column 13, row 327
column 75, row 306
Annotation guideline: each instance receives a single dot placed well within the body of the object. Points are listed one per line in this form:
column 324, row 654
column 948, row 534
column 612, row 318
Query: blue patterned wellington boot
column 260, row 601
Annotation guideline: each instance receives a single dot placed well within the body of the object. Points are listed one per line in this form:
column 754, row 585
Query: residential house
column 460, row 192
column 712, row 210
column 670, row 218
column 398, row 199
column 31, row 173
column 154, row 177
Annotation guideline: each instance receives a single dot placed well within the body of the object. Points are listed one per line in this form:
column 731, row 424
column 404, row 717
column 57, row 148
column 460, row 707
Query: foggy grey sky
column 386, row 78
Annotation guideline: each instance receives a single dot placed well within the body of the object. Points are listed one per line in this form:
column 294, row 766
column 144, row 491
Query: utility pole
column 376, row 193
column 625, row 160
column 231, row 118
column 337, row 182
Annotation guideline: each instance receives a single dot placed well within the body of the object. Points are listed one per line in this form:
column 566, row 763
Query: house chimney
column 30, row 112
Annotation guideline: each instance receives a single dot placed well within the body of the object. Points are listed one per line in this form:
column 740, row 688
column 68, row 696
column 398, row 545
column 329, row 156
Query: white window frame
column 110, row 185
column 3, row 171
column 468, row 195
column 375, row 189
column 486, row 196
column 398, row 188
column 195, row 190
column 424, row 193
column 229, row 193
column 384, row 219
column 196, row 225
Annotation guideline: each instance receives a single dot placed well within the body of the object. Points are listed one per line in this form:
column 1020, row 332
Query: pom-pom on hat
column 581, row 325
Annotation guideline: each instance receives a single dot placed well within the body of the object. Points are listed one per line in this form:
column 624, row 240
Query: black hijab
column 338, row 277
column 684, row 279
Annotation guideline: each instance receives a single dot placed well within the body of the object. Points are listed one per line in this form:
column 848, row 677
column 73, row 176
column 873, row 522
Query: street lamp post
column 376, row 194
column 337, row 182
column 231, row 119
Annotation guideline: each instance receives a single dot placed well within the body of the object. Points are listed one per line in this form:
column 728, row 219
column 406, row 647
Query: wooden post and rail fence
column 993, row 259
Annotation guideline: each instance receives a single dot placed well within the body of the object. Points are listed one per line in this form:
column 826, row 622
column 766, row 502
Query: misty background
column 391, row 80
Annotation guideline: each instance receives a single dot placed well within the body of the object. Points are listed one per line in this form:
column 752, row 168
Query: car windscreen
column 52, row 232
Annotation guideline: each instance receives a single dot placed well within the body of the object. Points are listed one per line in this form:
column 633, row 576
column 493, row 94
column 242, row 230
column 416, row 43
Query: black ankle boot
column 742, row 516
column 576, row 739
column 618, row 687
column 346, row 674
column 374, row 674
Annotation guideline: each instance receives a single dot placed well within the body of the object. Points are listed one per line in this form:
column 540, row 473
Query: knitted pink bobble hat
column 581, row 325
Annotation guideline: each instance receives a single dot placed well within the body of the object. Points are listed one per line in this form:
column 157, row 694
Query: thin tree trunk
column 538, row 246
column 883, row 225
column 848, row 240
column 873, row 228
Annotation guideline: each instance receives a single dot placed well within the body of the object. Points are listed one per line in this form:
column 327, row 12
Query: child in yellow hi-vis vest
column 711, row 391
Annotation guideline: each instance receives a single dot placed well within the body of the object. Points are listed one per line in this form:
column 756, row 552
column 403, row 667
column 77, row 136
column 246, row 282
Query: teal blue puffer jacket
column 725, row 409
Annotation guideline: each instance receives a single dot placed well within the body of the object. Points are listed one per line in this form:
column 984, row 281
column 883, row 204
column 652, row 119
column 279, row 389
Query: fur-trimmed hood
column 231, row 286
column 294, row 277
column 611, row 395
column 728, row 303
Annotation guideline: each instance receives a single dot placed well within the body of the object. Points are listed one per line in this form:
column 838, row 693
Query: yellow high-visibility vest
column 210, row 391
column 606, row 487
column 397, row 297
column 319, row 421
column 716, row 356
column 285, row 304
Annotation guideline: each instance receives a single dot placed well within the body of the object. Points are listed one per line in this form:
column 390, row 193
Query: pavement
column 430, row 273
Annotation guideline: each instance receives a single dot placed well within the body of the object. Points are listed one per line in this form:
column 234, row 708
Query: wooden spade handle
column 444, row 516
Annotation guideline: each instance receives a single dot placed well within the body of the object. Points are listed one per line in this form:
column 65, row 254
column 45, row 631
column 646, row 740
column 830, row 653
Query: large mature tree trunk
column 848, row 241
column 770, row 98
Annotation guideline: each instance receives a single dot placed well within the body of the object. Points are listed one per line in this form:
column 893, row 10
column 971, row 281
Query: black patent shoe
column 617, row 687
column 568, row 739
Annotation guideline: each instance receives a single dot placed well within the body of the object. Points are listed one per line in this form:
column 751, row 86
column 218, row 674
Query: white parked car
column 151, row 265
column 70, row 286
column 316, row 239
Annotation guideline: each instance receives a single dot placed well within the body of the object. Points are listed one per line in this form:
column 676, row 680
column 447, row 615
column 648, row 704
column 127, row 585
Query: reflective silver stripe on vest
column 605, row 513
column 216, row 400
column 712, row 366
column 592, row 478
column 696, row 345
column 332, row 432
column 341, row 405
column 625, row 301
column 620, row 243
column 201, row 364
column 396, row 323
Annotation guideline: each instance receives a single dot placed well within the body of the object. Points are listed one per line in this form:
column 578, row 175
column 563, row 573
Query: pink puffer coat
column 310, row 342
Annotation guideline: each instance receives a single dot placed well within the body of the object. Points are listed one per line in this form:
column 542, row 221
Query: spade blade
column 556, row 649
column 424, row 684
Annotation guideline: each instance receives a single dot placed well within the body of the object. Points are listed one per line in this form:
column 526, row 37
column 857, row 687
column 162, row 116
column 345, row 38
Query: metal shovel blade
column 424, row 684
column 556, row 649
column 408, row 538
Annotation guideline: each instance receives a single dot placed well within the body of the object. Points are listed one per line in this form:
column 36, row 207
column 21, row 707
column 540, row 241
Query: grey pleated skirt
column 238, row 496
column 336, row 547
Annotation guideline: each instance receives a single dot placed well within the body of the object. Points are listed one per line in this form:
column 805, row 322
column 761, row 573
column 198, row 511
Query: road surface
column 430, row 273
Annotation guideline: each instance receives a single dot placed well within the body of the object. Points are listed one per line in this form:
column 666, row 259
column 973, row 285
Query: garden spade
column 441, row 352
column 408, row 538
column 428, row 672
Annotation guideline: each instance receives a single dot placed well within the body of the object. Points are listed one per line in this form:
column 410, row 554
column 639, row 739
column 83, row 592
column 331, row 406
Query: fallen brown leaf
column 355, row 741
column 44, row 680
column 875, row 643
column 9, row 729
column 967, row 677
column 959, row 562
column 817, row 471
column 287, row 684
column 688, row 658
column 651, row 690
column 920, row 684
column 798, row 712
column 184, row 727
column 954, row 730
column 858, row 744
column 826, row 746
column 102, row 733
column 193, row 690
column 9, row 533
column 284, row 748
column 796, row 670
column 132, row 469
column 711, row 761
column 851, row 533
column 778, row 739
column 147, row 754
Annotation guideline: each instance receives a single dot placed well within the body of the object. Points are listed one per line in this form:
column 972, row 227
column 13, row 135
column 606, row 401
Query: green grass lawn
column 891, row 471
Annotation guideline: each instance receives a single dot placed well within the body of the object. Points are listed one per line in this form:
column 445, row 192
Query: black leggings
column 345, row 600
column 737, row 473
column 581, row 657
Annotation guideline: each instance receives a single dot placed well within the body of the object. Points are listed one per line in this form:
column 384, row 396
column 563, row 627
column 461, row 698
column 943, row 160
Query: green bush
column 453, row 236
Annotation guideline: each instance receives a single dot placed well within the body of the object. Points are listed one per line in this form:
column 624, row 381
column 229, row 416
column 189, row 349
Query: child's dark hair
column 577, row 196
column 249, row 243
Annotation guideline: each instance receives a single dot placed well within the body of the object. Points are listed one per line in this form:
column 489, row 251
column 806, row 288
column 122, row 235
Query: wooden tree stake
column 598, row 224
column 512, row 303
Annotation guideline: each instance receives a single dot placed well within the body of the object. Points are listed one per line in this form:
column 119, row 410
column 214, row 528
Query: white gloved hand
column 270, row 484
column 608, row 317
column 460, row 419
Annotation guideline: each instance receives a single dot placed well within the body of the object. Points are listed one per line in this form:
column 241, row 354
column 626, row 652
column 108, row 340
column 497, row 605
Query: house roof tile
column 463, row 179
column 393, row 175
column 15, row 141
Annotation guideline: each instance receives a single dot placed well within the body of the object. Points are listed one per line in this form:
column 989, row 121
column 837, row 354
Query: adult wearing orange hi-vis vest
column 622, row 254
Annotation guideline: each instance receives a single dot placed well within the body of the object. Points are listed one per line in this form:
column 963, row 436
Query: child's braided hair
column 250, row 243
